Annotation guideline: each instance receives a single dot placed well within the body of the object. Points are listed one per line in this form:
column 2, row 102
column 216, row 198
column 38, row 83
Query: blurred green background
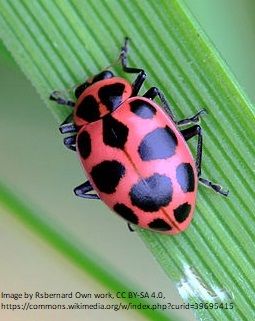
column 33, row 158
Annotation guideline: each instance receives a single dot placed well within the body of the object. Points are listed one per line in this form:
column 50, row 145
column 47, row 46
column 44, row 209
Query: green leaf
column 81, row 257
column 5, row 54
column 59, row 43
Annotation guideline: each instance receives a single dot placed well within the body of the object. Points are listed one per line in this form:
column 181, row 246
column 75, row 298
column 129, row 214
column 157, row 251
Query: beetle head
column 106, row 74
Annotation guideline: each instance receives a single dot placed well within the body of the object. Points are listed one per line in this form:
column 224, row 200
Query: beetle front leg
column 188, row 133
column 137, row 84
column 83, row 189
column 55, row 96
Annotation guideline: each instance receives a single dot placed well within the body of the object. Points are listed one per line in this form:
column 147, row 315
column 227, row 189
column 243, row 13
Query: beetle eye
column 80, row 89
column 106, row 74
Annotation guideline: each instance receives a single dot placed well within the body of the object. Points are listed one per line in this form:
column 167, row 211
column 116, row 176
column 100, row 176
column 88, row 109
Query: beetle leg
column 130, row 227
column 68, row 126
column 152, row 93
column 70, row 142
column 216, row 187
column 189, row 133
column 193, row 119
column 83, row 189
column 55, row 96
column 137, row 84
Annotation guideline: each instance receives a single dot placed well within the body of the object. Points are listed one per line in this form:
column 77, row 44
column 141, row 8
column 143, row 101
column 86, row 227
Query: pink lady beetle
column 132, row 151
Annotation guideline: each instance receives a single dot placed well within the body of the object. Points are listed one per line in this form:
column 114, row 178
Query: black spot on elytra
column 149, row 194
column 111, row 95
column 107, row 175
column 84, row 144
column 142, row 109
column 159, row 144
column 159, row 225
column 114, row 132
column 182, row 212
column 185, row 177
column 126, row 213
column 88, row 109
